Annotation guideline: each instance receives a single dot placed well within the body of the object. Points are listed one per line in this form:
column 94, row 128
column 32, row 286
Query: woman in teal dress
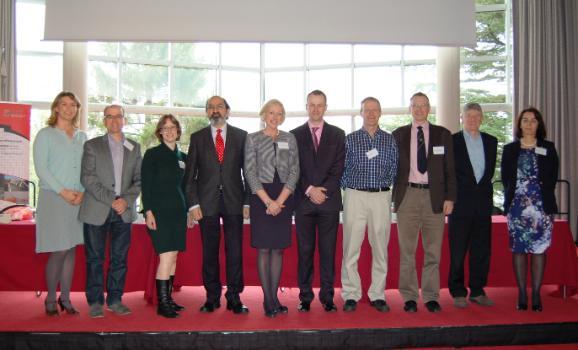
column 57, row 159
column 529, row 174
column 163, row 200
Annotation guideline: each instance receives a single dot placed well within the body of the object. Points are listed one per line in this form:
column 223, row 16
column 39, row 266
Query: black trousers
column 211, row 240
column 471, row 234
column 311, row 222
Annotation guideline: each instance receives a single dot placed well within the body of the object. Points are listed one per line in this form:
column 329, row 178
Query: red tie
column 315, row 139
column 220, row 146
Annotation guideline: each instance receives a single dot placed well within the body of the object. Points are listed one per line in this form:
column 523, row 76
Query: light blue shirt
column 475, row 147
column 57, row 159
column 117, row 154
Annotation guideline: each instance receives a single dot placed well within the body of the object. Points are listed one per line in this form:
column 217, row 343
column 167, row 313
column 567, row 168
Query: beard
column 217, row 119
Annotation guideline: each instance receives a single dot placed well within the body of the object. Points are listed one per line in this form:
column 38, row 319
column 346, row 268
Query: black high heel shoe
column 68, row 308
column 51, row 308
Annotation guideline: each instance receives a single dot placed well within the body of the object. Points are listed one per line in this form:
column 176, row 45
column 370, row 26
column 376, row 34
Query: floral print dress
column 529, row 226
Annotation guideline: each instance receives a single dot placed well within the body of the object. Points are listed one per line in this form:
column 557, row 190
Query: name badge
column 437, row 150
column 541, row 151
column 283, row 145
column 181, row 164
column 128, row 145
column 372, row 153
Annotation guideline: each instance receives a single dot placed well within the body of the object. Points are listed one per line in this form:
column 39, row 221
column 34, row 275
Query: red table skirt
column 22, row 269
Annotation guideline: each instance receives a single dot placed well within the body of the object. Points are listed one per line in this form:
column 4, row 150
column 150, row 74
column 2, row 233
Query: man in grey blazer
column 110, row 175
column 424, row 192
column 215, row 190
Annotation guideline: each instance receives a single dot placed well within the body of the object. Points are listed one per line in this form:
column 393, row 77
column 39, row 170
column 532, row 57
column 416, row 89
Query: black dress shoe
column 304, row 306
column 210, row 307
column 380, row 305
column 410, row 306
column 282, row 309
column 329, row 306
column 433, row 306
column 522, row 307
column 350, row 305
column 237, row 307
column 537, row 307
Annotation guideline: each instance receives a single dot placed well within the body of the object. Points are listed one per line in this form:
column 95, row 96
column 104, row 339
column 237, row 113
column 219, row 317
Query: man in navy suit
column 318, row 200
column 471, row 220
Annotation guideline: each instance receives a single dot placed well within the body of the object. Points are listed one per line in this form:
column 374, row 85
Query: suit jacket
column 204, row 174
column 547, row 174
column 322, row 168
column 97, row 177
column 440, row 167
column 474, row 198
column 261, row 160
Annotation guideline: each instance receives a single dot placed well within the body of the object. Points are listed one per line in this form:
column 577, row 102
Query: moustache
column 216, row 115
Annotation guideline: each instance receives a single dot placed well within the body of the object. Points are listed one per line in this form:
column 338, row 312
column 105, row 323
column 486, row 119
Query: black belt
column 420, row 186
column 378, row 189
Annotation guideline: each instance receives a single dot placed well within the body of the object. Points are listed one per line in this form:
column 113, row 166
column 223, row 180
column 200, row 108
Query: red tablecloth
column 22, row 269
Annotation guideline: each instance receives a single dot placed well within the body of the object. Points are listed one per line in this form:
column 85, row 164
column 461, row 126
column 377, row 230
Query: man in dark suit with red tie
column 471, row 221
column 318, row 200
column 216, row 190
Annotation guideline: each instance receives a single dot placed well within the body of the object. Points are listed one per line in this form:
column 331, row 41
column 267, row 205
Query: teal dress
column 162, row 192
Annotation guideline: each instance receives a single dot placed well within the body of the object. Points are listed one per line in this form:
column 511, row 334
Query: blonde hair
column 54, row 115
column 268, row 105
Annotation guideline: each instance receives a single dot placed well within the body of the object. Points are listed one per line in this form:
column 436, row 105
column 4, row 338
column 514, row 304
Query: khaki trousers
column 414, row 215
column 360, row 210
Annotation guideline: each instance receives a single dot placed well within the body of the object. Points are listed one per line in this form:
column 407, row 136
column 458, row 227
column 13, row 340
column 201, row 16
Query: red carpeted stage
column 25, row 326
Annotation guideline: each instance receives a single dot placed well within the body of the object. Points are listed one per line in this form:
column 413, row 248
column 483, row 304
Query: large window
column 155, row 78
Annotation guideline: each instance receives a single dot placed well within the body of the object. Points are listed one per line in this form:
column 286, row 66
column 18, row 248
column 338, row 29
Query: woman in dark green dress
column 163, row 200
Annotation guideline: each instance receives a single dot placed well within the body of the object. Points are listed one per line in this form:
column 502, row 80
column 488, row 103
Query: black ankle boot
column 164, row 308
column 174, row 305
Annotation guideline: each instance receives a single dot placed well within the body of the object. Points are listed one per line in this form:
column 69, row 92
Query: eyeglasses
column 168, row 128
column 114, row 117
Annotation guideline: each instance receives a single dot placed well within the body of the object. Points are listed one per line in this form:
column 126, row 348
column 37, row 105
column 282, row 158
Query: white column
column 75, row 62
column 448, row 88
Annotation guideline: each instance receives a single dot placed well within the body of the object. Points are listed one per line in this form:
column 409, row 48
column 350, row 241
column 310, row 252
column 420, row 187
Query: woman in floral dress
column 529, row 173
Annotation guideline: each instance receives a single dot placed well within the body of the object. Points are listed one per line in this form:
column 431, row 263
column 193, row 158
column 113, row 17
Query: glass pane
column 149, row 51
column 335, row 83
column 102, row 49
column 248, row 124
column 420, row 78
column 390, row 122
column 30, row 29
column 189, row 125
column 291, row 123
column 241, row 89
column 102, row 82
column 95, row 125
column 324, row 54
column 143, row 84
column 204, row 53
column 192, row 87
column 415, row 52
column 382, row 83
column 284, row 55
column 39, row 77
column 341, row 121
column 487, row 86
column 376, row 53
column 490, row 34
column 240, row 55
column 286, row 87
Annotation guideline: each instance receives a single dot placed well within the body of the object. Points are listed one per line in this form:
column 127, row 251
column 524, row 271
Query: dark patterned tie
column 220, row 146
column 421, row 157
column 315, row 140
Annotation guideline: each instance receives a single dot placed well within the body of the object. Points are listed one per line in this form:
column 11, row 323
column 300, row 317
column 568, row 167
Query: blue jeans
column 95, row 238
